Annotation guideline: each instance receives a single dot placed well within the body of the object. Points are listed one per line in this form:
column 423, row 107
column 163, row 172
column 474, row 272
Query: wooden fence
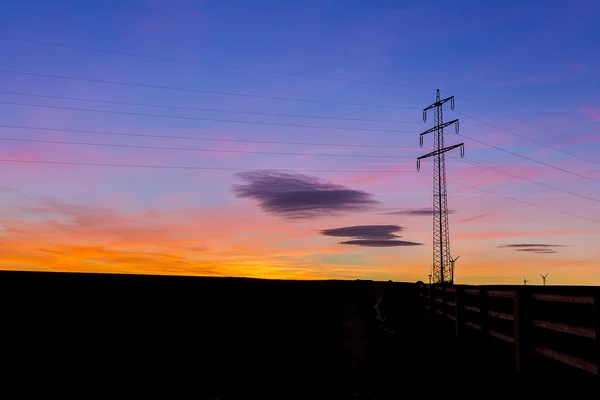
column 561, row 323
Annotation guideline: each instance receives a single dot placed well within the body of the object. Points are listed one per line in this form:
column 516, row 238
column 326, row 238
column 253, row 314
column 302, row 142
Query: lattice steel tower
column 442, row 265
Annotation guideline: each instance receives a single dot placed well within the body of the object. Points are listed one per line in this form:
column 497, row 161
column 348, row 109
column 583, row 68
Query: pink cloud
column 591, row 111
column 578, row 67
column 531, row 80
column 475, row 218
column 364, row 178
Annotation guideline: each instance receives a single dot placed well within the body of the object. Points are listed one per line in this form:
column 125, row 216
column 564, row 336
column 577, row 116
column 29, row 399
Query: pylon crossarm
column 445, row 149
column 440, row 102
column 436, row 128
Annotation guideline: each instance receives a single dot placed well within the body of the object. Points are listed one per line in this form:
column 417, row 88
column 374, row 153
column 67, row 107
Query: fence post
column 597, row 329
column 443, row 294
column 430, row 303
column 483, row 307
column 521, row 331
column 458, row 310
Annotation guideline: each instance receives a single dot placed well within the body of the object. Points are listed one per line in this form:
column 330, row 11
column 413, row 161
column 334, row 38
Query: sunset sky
column 278, row 139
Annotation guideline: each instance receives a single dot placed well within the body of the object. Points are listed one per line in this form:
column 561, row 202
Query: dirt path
column 381, row 359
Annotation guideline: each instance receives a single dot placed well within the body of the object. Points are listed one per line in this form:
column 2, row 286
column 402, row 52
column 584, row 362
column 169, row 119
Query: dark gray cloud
column 425, row 211
column 380, row 243
column 300, row 196
column 538, row 248
column 530, row 245
column 370, row 235
column 384, row 232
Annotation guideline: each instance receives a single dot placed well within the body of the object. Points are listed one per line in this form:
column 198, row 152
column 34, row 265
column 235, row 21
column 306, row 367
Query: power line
column 528, row 122
column 289, row 170
column 197, row 149
column 200, row 118
column 209, row 109
column 528, row 138
column 539, row 162
column 522, row 201
column 531, row 159
column 533, row 181
column 268, row 97
column 286, row 170
column 507, row 173
column 188, row 167
column 207, row 64
column 481, row 165
column 201, row 90
column 204, row 138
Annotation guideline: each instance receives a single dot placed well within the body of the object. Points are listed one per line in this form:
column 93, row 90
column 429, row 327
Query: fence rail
column 557, row 323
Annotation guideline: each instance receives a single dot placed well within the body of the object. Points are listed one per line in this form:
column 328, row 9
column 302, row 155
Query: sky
column 278, row 139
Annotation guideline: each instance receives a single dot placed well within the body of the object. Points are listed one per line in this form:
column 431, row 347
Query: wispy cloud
column 538, row 248
column 578, row 67
column 418, row 212
column 370, row 235
column 475, row 218
column 530, row 245
column 531, row 80
column 591, row 111
column 297, row 196
column 380, row 243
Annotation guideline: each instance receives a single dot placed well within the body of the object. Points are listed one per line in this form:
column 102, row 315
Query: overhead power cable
column 91, row 164
column 148, row 135
column 528, row 138
column 200, row 118
column 522, row 201
column 287, row 170
column 209, row 109
column 134, row 146
column 531, row 159
column 481, row 165
column 233, row 67
column 523, row 178
column 130, row 84
column 527, row 122
column 207, row 64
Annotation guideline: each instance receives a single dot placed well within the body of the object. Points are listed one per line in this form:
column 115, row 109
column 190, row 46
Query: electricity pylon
column 442, row 271
column 544, row 278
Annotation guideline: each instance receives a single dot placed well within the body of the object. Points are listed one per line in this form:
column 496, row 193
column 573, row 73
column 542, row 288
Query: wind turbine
column 544, row 278
column 452, row 266
column 524, row 280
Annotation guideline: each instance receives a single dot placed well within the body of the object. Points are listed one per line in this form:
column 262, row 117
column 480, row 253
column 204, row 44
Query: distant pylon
column 442, row 271
column 544, row 278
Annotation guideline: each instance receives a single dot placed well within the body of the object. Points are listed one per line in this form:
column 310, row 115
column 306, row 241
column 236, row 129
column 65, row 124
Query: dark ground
column 222, row 338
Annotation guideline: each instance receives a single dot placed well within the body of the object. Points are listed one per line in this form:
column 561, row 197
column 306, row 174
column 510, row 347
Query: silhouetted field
column 172, row 335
